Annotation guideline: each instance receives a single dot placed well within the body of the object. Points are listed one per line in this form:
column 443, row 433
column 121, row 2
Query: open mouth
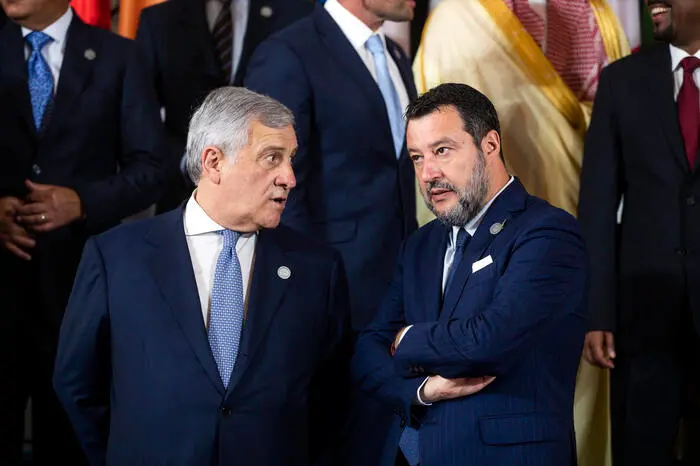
column 658, row 9
column 280, row 201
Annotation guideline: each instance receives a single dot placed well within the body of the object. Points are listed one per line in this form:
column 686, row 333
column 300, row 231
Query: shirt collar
column 677, row 55
column 58, row 30
column 355, row 30
column 197, row 222
column 474, row 223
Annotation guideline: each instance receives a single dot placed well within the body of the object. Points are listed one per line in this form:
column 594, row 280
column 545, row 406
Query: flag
column 94, row 12
column 629, row 13
column 129, row 12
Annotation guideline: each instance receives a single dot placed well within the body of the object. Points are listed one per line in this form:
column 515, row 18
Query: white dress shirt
column 676, row 56
column 239, row 17
column 54, row 51
column 205, row 243
column 471, row 228
column 358, row 33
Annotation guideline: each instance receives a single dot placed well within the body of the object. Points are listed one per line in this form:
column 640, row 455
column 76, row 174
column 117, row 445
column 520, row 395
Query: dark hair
column 476, row 110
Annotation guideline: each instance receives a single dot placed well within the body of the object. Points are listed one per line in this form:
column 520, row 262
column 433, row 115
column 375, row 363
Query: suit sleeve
column 82, row 370
column 330, row 388
column 140, row 180
column 541, row 290
column 277, row 71
column 373, row 367
column 602, row 185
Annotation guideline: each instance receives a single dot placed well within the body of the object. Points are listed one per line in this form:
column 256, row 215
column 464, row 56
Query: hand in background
column 13, row 236
column 599, row 349
column 48, row 207
column 439, row 388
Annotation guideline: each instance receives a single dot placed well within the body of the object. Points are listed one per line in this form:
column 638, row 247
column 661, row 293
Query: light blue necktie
column 391, row 99
column 40, row 79
column 226, row 310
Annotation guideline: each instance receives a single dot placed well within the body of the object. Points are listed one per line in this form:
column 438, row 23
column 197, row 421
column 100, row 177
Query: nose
column 286, row 177
column 430, row 171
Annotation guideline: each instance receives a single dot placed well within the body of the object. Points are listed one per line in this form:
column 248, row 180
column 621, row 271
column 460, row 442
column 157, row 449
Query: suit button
column 690, row 201
column 226, row 411
column 681, row 252
column 36, row 169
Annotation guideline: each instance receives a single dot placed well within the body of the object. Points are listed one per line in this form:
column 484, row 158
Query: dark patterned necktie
column 223, row 39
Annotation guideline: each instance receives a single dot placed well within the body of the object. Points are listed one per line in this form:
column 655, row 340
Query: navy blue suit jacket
column 101, row 137
column 136, row 374
column 521, row 319
column 351, row 191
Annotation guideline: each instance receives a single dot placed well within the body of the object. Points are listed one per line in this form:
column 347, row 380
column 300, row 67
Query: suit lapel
column 404, row 67
column 172, row 270
column 266, row 293
column 13, row 72
column 501, row 211
column 341, row 50
column 659, row 81
column 76, row 70
column 431, row 273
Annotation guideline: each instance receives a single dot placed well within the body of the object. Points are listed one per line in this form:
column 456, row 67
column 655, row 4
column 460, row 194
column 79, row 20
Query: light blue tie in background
column 391, row 99
column 226, row 310
column 40, row 79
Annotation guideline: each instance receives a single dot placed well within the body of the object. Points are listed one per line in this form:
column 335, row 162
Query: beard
column 471, row 199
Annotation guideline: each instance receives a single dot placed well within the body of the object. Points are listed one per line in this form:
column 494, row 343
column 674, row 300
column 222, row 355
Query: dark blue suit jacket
column 102, row 137
column 521, row 319
column 351, row 191
column 136, row 374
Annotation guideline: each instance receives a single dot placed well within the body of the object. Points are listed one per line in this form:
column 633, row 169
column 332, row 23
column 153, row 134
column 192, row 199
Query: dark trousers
column 653, row 392
column 29, row 323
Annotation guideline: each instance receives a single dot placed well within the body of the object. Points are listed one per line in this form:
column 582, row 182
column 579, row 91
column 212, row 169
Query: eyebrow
column 442, row 141
column 435, row 144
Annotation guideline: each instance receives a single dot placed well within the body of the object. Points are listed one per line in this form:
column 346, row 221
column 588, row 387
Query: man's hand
column 49, row 207
column 599, row 349
column 439, row 388
column 13, row 237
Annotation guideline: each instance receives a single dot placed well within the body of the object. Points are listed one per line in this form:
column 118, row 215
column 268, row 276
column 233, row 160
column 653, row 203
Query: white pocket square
column 481, row 263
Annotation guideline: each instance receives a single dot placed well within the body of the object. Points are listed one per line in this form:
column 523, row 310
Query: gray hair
column 223, row 120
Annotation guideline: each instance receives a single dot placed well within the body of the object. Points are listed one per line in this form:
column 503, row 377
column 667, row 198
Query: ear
column 491, row 144
column 212, row 162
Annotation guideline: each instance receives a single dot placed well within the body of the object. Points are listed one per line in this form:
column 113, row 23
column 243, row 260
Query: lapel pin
column 266, row 11
column 284, row 272
column 90, row 54
column 496, row 228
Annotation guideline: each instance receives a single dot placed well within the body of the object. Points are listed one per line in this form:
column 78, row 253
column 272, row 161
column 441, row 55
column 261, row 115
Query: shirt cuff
column 419, row 400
